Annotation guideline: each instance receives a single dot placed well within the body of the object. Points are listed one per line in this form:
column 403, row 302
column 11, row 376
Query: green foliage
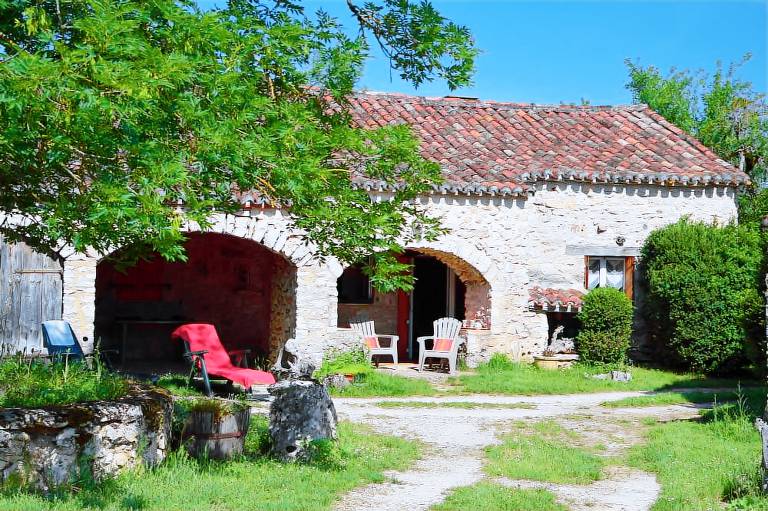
column 526, row 379
column 252, row 481
column 702, row 464
column 114, row 111
column 494, row 497
column 544, row 452
column 354, row 361
column 723, row 112
column 704, row 301
column 30, row 384
column 368, row 382
column 606, row 326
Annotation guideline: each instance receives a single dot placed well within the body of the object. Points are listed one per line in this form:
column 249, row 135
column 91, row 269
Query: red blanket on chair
column 203, row 337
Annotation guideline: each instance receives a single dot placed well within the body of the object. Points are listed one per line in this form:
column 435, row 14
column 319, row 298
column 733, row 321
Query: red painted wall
column 226, row 281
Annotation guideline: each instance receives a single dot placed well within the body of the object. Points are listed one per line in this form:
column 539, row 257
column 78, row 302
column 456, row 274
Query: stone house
column 541, row 204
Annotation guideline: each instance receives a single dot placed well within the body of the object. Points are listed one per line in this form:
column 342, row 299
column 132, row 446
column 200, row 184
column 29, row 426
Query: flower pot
column 555, row 361
column 217, row 435
column 350, row 377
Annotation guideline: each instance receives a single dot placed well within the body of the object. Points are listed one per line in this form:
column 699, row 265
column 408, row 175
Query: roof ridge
column 463, row 101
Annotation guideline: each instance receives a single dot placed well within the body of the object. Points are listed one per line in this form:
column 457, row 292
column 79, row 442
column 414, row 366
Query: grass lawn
column 253, row 482
column 376, row 384
column 543, row 452
column 700, row 465
column 467, row 405
column 494, row 497
column 676, row 398
column 501, row 376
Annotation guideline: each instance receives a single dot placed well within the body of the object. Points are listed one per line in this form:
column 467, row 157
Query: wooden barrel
column 221, row 436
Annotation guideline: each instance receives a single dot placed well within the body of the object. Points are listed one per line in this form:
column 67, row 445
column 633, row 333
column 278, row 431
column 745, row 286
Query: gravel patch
column 454, row 440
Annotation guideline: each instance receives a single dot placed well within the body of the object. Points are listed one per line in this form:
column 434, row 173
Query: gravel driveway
column 454, row 439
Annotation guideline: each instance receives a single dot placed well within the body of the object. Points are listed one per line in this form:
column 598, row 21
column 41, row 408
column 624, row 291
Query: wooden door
column 30, row 292
column 404, row 317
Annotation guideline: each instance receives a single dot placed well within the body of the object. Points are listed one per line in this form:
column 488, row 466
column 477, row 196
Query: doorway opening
column 437, row 293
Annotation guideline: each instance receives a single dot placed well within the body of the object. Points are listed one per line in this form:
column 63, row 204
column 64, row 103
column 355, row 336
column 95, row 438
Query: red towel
column 203, row 337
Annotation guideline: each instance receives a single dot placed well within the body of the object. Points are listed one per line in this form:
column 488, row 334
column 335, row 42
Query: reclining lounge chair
column 203, row 349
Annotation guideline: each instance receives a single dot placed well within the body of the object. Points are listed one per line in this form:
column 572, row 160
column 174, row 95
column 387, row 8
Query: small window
column 354, row 286
column 615, row 272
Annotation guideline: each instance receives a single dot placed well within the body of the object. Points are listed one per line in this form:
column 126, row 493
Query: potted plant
column 214, row 427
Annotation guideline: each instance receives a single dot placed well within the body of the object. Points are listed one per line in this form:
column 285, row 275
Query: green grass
column 544, row 452
column 676, row 398
column 376, row 384
column 468, row 405
column 700, row 465
column 30, row 384
column 368, row 382
column 500, row 376
column 345, row 362
column 177, row 384
column 253, row 482
column 494, row 497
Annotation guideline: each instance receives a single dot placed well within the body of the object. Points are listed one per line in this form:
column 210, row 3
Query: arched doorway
column 445, row 286
column 244, row 289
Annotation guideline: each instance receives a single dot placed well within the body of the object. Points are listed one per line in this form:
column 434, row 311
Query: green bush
column 344, row 362
column 30, row 384
column 606, row 326
column 704, row 304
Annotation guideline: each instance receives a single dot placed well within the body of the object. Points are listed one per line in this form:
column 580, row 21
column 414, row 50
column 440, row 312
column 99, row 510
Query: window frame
column 368, row 300
column 629, row 273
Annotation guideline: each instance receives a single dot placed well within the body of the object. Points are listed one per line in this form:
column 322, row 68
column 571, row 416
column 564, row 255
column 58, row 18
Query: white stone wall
column 514, row 243
column 520, row 243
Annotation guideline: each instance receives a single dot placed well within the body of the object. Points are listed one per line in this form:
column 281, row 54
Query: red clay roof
column 557, row 300
column 499, row 148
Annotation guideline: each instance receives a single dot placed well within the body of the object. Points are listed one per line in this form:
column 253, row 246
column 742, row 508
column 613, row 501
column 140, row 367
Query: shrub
column 606, row 326
column 704, row 302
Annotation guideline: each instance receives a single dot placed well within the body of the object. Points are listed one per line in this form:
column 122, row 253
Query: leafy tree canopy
column 114, row 113
column 722, row 111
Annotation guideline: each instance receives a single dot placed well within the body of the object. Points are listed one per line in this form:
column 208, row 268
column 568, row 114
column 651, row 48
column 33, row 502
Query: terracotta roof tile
column 556, row 300
column 493, row 147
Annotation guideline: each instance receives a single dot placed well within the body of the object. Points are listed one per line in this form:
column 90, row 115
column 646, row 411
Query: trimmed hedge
column 606, row 326
column 704, row 303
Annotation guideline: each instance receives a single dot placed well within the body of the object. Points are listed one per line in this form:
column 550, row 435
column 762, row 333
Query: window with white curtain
column 606, row 272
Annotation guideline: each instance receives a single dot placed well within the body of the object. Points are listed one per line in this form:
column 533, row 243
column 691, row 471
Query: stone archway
column 446, row 285
column 246, row 290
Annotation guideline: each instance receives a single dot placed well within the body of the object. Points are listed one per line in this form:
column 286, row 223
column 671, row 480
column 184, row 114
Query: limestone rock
column 762, row 427
column 296, row 361
column 302, row 411
column 47, row 447
column 621, row 376
column 336, row 381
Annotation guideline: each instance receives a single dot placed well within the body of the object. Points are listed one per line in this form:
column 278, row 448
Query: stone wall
column 283, row 306
column 512, row 243
column 383, row 311
column 52, row 446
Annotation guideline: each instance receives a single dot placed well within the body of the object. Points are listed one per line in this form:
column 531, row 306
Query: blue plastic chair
column 60, row 340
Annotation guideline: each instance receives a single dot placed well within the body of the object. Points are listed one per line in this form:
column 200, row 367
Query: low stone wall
column 56, row 445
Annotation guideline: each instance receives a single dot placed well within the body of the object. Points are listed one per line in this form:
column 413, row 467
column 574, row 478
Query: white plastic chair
column 446, row 342
column 371, row 340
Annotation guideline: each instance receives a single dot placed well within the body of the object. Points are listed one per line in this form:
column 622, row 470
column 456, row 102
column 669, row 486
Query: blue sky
column 565, row 51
